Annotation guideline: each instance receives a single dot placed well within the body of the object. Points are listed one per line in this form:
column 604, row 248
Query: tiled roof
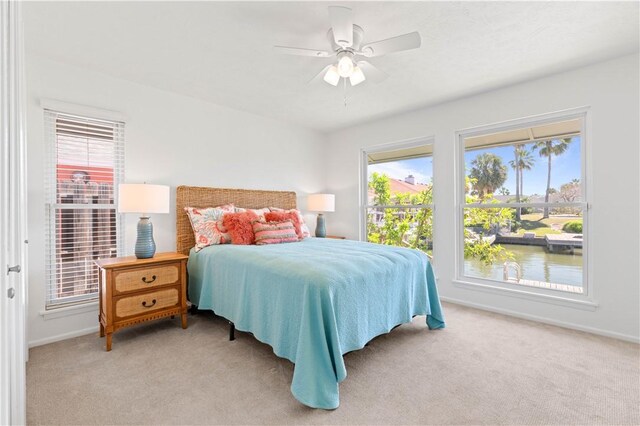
column 401, row 187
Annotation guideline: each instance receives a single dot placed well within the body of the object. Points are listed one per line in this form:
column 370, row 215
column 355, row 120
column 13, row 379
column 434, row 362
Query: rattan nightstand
column 137, row 290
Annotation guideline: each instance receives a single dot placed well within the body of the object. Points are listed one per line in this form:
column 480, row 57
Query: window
column 85, row 164
column 522, row 210
column 397, row 203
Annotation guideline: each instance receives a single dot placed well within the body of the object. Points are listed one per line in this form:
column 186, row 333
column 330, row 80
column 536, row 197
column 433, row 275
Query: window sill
column 583, row 304
column 69, row 310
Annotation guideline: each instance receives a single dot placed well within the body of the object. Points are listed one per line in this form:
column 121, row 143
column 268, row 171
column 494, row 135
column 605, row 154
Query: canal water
column 536, row 264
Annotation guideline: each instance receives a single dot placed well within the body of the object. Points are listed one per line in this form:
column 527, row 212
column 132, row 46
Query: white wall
column 611, row 90
column 170, row 139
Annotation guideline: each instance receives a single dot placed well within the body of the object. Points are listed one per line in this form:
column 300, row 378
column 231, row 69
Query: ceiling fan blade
column 393, row 44
column 342, row 25
column 371, row 72
column 302, row 52
column 320, row 75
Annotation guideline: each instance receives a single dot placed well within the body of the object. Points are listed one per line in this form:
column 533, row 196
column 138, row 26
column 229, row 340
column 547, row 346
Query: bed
column 311, row 301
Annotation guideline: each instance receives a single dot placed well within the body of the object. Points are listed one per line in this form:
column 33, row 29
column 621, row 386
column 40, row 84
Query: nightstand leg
column 101, row 330
column 184, row 320
column 108, row 342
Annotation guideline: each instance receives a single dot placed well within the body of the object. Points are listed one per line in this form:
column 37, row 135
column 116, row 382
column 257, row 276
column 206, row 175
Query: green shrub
column 574, row 227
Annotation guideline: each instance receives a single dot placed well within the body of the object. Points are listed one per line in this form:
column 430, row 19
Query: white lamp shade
column 357, row 77
column 143, row 198
column 332, row 77
column 321, row 203
column 345, row 66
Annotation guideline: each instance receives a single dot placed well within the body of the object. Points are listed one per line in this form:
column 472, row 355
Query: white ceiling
column 221, row 52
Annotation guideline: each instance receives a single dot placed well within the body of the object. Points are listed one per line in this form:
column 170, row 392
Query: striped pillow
column 274, row 232
column 303, row 226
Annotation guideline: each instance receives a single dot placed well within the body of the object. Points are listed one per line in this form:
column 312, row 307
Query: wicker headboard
column 195, row 196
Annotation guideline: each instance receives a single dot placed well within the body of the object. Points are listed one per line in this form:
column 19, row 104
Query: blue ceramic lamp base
column 321, row 231
column 145, row 246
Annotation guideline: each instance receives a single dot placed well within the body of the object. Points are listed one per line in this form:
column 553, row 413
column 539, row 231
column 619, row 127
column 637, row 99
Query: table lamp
column 321, row 203
column 143, row 199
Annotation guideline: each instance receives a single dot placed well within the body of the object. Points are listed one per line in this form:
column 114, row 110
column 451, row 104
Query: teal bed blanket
column 315, row 300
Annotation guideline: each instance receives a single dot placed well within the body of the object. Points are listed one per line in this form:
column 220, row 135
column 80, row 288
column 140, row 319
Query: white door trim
column 13, row 291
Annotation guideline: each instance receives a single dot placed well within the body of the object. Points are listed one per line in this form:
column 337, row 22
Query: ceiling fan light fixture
column 345, row 65
column 357, row 76
column 332, row 77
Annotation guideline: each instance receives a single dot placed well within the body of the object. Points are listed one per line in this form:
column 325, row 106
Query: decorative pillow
column 259, row 212
column 303, row 226
column 240, row 226
column 286, row 215
column 207, row 225
column 274, row 232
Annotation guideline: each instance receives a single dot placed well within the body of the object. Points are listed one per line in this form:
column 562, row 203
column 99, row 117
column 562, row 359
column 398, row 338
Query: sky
column 420, row 168
column 564, row 168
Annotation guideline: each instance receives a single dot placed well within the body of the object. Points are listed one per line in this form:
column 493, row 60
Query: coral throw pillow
column 303, row 226
column 240, row 226
column 259, row 212
column 207, row 225
column 286, row 215
column 274, row 232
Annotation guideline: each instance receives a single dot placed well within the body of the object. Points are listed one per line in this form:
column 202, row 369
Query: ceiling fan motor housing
column 358, row 34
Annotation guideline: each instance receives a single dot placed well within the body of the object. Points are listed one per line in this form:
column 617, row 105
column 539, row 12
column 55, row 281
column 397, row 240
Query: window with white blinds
column 85, row 164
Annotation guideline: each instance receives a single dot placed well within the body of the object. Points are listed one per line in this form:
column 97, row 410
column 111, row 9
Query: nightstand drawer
column 144, row 278
column 141, row 304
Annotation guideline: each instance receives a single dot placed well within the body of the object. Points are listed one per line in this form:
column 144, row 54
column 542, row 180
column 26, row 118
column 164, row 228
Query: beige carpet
column 483, row 369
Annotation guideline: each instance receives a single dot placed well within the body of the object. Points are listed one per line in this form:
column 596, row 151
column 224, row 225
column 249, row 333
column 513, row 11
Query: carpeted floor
column 483, row 368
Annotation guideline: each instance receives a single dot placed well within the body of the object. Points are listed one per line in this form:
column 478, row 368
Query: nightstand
column 137, row 290
column 335, row 237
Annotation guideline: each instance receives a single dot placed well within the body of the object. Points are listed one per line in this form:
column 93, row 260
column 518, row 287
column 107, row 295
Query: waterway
column 536, row 264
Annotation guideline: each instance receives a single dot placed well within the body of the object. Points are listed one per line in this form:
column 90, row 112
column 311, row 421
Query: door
column 13, row 289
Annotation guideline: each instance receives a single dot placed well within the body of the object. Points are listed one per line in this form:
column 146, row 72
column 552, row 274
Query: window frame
column 51, row 204
column 586, row 300
column 364, row 182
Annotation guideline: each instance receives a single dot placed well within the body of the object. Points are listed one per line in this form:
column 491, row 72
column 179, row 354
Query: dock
column 550, row 286
column 563, row 242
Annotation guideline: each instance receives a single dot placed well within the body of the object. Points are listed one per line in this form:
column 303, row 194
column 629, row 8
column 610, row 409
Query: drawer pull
column 144, row 303
column 153, row 278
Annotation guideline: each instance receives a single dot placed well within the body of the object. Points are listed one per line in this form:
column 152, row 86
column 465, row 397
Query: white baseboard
column 63, row 336
column 572, row 326
column 563, row 324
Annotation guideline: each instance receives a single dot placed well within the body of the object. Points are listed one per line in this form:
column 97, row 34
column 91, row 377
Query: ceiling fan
column 347, row 46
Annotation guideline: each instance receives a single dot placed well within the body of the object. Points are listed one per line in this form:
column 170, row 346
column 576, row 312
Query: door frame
column 13, row 226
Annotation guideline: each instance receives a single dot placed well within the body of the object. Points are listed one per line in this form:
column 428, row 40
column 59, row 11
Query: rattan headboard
column 195, row 196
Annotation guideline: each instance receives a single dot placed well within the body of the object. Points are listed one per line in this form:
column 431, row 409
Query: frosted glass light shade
column 332, row 77
column 345, row 66
column 357, row 77
column 321, row 203
column 143, row 198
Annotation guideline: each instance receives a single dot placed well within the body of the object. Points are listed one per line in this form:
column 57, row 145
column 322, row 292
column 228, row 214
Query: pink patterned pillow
column 240, row 227
column 274, row 232
column 303, row 226
column 207, row 225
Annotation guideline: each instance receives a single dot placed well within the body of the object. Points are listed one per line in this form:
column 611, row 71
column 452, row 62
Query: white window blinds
column 85, row 164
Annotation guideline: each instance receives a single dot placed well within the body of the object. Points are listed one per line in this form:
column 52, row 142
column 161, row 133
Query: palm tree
column 548, row 149
column 526, row 162
column 523, row 160
column 489, row 173
column 515, row 164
